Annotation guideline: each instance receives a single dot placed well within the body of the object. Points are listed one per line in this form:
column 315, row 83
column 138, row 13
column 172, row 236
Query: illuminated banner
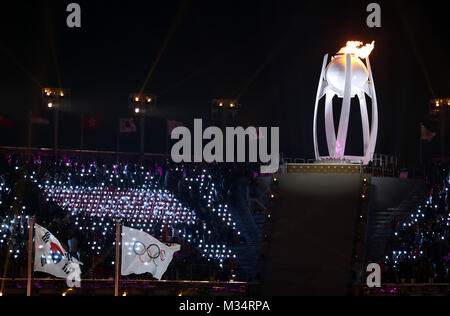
column 127, row 125
column 91, row 123
column 39, row 119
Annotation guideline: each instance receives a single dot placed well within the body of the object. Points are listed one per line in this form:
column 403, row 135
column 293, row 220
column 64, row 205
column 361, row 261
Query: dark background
column 268, row 52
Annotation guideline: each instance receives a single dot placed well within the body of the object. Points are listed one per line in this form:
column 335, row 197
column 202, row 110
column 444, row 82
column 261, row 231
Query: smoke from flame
column 356, row 48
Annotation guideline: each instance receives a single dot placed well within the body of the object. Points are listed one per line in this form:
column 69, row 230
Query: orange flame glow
column 356, row 48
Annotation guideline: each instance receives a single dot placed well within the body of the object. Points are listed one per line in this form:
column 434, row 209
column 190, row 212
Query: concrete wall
column 310, row 248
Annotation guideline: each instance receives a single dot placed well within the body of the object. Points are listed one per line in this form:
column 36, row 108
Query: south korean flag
column 50, row 257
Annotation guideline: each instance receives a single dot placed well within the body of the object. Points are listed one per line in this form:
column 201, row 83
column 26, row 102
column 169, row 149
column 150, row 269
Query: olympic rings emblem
column 152, row 252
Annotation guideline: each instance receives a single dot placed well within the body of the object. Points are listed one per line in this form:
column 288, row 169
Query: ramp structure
column 309, row 251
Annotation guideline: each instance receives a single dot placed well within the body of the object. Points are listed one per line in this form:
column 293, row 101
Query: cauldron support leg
column 319, row 95
column 345, row 113
column 329, row 124
column 365, row 121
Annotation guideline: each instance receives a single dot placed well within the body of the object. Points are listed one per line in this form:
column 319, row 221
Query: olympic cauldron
column 346, row 76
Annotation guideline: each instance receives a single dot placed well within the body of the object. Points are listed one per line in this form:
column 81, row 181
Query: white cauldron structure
column 346, row 76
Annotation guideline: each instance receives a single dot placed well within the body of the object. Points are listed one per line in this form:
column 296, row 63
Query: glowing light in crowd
column 94, row 208
column 416, row 220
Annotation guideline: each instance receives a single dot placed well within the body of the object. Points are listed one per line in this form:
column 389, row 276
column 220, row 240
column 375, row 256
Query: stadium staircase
column 250, row 226
column 380, row 228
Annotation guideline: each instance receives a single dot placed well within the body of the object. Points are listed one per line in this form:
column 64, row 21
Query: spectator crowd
column 419, row 250
column 80, row 200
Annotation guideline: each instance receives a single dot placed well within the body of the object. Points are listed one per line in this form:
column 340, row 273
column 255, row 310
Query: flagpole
column 30, row 254
column 142, row 118
column 166, row 145
column 118, row 136
column 81, row 132
column 116, row 280
column 55, row 132
column 30, row 126
column 421, row 144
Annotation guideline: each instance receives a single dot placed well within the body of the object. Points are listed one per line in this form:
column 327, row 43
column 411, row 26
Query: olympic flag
column 142, row 253
column 50, row 257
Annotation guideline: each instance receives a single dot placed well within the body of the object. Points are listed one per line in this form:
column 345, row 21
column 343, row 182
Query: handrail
column 28, row 150
column 132, row 281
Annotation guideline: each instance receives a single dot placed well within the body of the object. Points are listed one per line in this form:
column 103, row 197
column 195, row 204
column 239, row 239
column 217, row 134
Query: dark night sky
column 216, row 49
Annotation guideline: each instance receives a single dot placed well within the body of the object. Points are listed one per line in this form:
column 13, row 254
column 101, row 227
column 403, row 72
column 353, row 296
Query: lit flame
column 356, row 48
